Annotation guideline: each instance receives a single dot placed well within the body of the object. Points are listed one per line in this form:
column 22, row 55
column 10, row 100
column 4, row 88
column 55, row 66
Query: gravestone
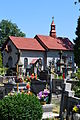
column 2, row 92
column 37, row 86
column 66, row 93
column 1, row 79
column 67, row 86
column 8, row 87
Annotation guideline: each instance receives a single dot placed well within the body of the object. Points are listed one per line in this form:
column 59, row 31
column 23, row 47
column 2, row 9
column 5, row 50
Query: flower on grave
column 28, row 78
column 29, row 93
column 12, row 93
column 19, row 80
column 43, row 95
column 34, row 76
column 28, row 86
column 76, row 108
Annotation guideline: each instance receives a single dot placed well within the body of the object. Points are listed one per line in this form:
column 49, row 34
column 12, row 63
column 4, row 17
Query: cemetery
column 39, row 80
column 44, row 86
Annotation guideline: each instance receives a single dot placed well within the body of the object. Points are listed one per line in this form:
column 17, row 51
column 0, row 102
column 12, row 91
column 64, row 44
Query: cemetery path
column 55, row 105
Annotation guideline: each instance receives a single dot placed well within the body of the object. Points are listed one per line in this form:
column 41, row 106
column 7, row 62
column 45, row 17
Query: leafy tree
column 77, row 44
column 7, row 28
column 76, row 2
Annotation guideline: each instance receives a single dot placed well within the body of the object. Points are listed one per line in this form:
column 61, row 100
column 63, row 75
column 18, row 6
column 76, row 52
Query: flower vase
column 43, row 102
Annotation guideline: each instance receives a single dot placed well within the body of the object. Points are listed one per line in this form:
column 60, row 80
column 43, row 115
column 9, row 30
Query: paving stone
column 49, row 115
column 48, row 107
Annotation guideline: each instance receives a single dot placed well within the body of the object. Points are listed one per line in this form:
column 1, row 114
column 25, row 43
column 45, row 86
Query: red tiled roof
column 56, row 43
column 26, row 43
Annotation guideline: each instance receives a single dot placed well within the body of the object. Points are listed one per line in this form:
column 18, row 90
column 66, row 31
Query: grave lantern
column 19, row 68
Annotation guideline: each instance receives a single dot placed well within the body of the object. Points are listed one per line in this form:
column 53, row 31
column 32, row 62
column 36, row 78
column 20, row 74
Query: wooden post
column 17, row 87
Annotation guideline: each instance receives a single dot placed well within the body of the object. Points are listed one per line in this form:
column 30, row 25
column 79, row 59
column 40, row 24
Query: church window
column 25, row 62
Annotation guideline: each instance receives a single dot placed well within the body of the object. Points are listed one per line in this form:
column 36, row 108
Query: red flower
column 28, row 86
column 32, row 76
column 36, row 76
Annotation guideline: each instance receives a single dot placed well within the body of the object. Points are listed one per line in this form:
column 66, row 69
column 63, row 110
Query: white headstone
column 67, row 86
column 71, row 93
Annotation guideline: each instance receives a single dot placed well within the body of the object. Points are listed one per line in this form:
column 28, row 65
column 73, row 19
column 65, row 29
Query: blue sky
column 35, row 16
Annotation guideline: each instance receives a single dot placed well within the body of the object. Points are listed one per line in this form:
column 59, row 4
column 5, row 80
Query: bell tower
column 53, row 30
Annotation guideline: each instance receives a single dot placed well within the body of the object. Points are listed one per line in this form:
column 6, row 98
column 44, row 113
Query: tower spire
column 52, row 18
column 53, row 30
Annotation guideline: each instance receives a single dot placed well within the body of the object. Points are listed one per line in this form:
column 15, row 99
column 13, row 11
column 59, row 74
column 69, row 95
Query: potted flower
column 43, row 96
column 34, row 76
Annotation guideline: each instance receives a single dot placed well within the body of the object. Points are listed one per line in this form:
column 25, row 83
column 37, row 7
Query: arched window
column 10, row 62
column 40, row 61
column 9, row 48
column 25, row 62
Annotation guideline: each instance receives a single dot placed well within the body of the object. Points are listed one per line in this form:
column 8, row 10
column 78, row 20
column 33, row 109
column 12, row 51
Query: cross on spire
column 52, row 17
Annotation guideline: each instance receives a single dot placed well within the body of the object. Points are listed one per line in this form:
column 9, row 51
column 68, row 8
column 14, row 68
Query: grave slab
column 50, row 115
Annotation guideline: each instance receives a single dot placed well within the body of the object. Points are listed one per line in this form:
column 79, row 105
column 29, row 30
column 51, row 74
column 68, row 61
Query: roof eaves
column 63, row 49
column 31, row 50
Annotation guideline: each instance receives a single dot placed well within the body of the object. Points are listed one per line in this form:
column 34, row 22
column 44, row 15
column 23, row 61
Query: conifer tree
column 77, row 44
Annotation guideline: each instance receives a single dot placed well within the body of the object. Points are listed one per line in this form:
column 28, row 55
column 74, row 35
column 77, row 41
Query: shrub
column 20, row 107
column 76, row 88
column 3, row 70
column 78, row 74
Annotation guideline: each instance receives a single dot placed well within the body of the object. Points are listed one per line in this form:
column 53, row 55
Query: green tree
column 7, row 28
column 77, row 1
column 77, row 44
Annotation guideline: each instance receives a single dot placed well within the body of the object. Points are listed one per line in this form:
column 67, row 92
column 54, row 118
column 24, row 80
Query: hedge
column 20, row 107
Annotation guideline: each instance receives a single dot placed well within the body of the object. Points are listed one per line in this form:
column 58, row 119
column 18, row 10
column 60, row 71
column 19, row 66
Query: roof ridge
column 20, row 37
